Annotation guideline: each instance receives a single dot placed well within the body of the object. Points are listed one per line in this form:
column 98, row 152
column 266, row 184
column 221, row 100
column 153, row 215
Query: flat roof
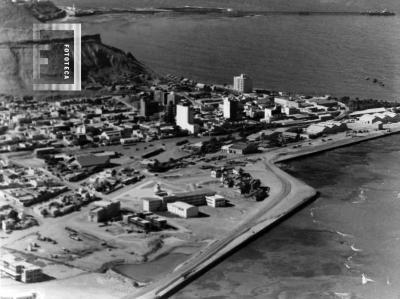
column 216, row 196
column 240, row 145
column 367, row 111
column 104, row 203
column 181, row 204
column 149, row 199
column 89, row 160
column 194, row 192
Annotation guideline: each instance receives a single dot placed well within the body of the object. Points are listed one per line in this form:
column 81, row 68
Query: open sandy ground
column 217, row 234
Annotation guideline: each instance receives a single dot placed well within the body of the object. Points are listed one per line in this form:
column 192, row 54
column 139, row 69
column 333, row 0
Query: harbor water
column 346, row 244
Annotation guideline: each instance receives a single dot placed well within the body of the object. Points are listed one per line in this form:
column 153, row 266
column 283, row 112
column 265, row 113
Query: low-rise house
column 197, row 197
column 367, row 111
column 104, row 211
column 330, row 127
column 152, row 204
column 216, row 173
column 182, row 209
column 240, row 148
column 86, row 161
column 19, row 270
column 216, row 201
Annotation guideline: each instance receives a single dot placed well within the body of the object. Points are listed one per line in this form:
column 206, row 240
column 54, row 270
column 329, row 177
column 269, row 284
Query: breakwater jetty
column 289, row 196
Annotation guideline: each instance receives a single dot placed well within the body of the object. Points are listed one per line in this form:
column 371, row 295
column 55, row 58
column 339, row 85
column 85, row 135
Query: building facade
column 104, row 210
column 243, row 83
column 184, row 118
column 216, row 201
column 152, row 204
column 196, row 198
column 20, row 270
column 231, row 109
column 182, row 209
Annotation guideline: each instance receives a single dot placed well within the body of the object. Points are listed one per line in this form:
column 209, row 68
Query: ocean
column 301, row 54
column 351, row 230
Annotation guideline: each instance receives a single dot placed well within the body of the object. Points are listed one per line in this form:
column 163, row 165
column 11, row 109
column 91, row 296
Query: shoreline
column 335, row 145
column 224, row 12
column 293, row 195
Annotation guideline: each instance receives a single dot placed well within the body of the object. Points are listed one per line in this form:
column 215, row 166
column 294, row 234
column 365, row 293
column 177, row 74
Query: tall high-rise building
column 170, row 107
column 172, row 98
column 243, row 83
column 148, row 107
column 160, row 97
column 184, row 118
column 231, row 108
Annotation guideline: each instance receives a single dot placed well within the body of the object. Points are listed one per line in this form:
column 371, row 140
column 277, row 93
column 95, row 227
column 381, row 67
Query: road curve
column 268, row 214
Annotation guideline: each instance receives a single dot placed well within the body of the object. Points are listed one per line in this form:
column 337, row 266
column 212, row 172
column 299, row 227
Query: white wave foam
column 344, row 235
column 355, row 249
column 365, row 279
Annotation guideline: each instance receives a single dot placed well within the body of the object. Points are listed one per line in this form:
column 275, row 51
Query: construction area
column 179, row 211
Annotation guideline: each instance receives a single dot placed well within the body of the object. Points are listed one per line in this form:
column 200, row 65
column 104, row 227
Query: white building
column 12, row 294
column 182, row 209
column 19, row 270
column 111, row 135
column 81, row 129
column 374, row 121
column 216, row 201
column 290, row 110
column 230, row 108
column 243, row 83
column 368, row 111
column 329, row 127
column 272, row 113
column 152, row 204
column 384, row 117
column 285, row 101
column 184, row 118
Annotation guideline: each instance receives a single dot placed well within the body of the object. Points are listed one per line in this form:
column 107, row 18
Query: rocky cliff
column 99, row 62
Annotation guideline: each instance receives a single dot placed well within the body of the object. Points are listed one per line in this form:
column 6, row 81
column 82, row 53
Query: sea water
column 324, row 251
column 310, row 54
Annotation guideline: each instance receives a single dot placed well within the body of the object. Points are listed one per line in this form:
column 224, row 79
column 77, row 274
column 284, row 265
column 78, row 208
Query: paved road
column 217, row 249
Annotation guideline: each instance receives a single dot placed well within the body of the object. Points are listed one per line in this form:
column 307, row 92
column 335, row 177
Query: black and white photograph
column 200, row 149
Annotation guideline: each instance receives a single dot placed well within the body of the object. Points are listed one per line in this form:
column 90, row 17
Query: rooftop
column 239, row 145
column 92, row 160
column 368, row 111
column 195, row 192
column 104, row 203
column 182, row 205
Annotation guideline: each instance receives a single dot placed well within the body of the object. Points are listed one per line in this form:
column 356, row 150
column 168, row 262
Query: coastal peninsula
column 137, row 184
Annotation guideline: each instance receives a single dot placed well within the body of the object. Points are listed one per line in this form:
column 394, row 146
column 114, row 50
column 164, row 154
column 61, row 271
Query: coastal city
column 89, row 183
column 147, row 174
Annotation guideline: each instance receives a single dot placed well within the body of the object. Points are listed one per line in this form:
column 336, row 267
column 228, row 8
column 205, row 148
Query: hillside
column 99, row 62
